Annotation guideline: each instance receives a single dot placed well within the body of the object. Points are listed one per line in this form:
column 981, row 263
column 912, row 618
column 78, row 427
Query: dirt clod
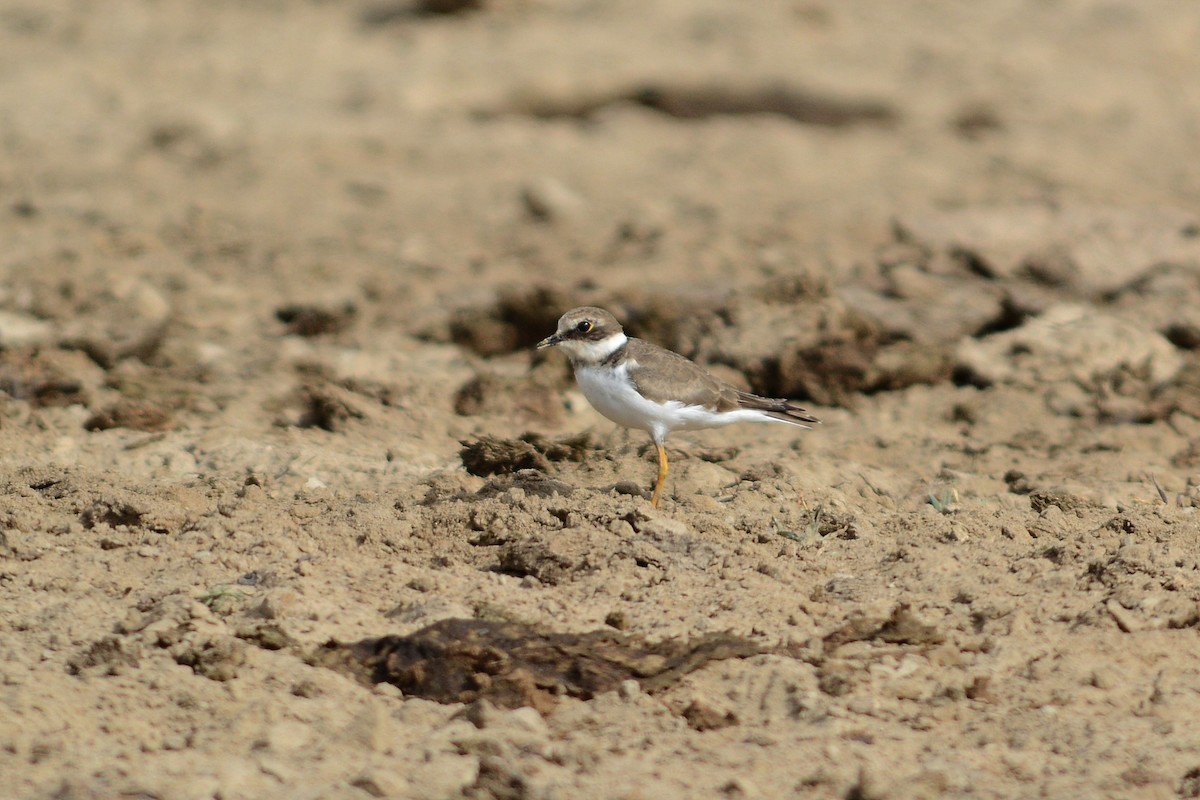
column 513, row 665
column 309, row 320
column 138, row 415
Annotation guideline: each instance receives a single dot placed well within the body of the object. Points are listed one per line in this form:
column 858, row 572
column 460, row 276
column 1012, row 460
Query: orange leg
column 662, row 475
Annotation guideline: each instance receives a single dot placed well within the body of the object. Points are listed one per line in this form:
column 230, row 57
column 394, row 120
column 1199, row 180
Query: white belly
column 612, row 394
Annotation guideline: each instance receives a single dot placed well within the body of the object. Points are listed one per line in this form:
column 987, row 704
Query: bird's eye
column 584, row 326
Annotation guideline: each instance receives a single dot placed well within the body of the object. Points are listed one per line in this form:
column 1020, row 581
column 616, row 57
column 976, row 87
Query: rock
column 528, row 398
column 194, row 136
column 111, row 655
column 703, row 715
column 492, row 455
column 124, row 318
column 43, row 378
column 370, row 729
column 287, row 736
column 991, row 241
column 552, row 559
column 17, row 330
column 307, row 320
column 1069, row 342
column 549, row 200
column 379, row 782
column 664, row 529
column 512, row 664
column 448, row 6
column 137, row 415
column 925, row 308
column 529, row 720
column 1088, row 251
column 216, row 658
column 483, row 714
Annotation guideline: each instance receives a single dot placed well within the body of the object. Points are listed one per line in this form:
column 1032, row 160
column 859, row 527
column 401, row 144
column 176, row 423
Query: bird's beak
column 549, row 341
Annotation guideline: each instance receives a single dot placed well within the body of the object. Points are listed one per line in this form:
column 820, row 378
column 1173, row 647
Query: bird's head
column 588, row 335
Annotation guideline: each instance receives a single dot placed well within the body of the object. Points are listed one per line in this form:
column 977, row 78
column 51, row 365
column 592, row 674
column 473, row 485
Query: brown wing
column 661, row 375
column 784, row 410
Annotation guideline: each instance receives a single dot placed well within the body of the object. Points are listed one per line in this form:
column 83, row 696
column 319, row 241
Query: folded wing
column 782, row 410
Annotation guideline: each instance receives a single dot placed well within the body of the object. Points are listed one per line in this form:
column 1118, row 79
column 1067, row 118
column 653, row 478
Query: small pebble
column 629, row 690
column 548, row 200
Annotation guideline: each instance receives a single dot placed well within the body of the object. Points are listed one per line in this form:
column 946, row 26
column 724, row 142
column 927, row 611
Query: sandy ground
column 269, row 270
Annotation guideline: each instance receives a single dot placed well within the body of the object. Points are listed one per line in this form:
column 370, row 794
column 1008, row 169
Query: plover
column 640, row 385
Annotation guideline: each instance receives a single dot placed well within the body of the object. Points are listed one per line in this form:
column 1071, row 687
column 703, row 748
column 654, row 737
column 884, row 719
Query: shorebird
column 640, row 385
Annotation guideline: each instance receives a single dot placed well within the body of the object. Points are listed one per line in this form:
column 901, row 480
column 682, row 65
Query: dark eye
column 584, row 326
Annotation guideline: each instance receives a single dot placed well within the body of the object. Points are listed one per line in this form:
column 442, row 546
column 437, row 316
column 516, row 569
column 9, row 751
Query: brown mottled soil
column 270, row 278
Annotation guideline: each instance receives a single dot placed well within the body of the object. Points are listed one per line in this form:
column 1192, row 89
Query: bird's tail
column 782, row 410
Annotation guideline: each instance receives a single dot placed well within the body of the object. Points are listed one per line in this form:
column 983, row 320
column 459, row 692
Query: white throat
column 590, row 353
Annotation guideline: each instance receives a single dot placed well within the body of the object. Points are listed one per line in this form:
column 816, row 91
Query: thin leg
column 662, row 475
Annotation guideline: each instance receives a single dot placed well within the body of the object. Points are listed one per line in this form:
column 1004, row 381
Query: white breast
column 612, row 394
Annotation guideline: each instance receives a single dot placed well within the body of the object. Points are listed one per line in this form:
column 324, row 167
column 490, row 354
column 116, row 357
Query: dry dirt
column 270, row 277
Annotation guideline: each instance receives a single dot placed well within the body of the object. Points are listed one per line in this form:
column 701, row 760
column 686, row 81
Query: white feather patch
column 592, row 352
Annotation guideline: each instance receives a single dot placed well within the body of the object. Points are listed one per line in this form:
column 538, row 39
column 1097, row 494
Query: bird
column 639, row 385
